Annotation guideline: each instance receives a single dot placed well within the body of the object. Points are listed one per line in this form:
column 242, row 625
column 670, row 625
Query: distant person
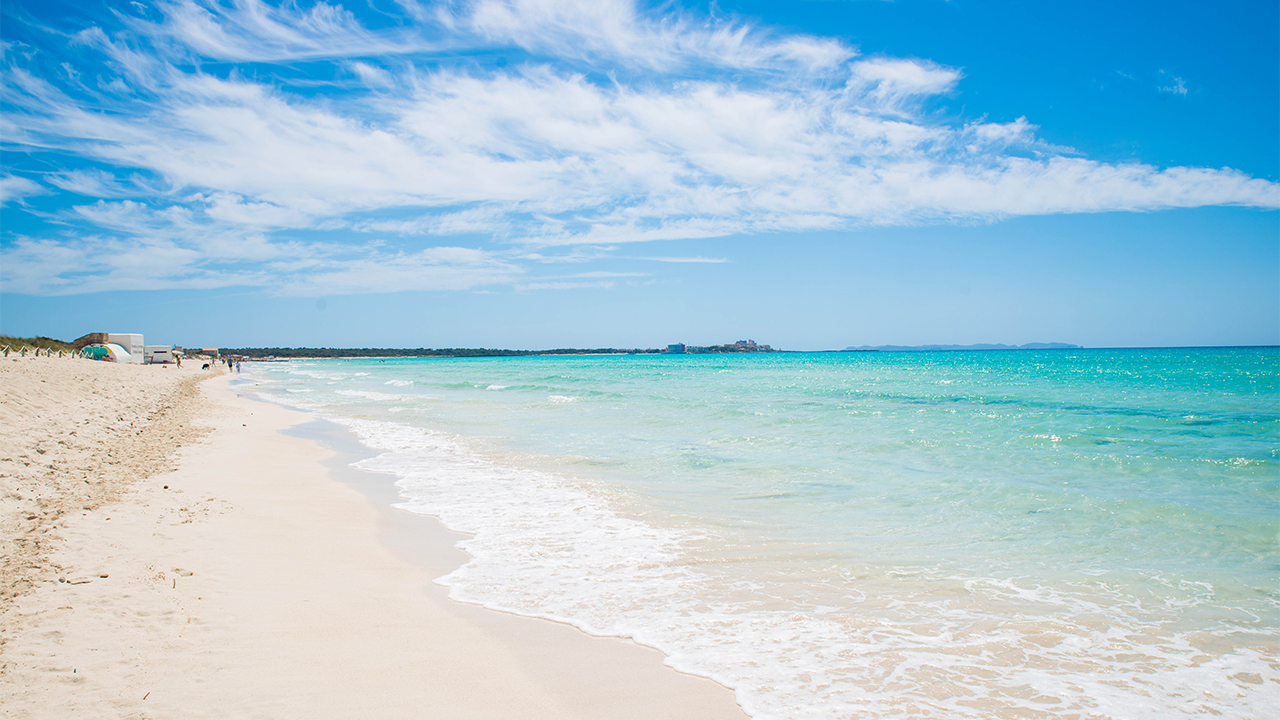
column 237, row 366
column 178, row 358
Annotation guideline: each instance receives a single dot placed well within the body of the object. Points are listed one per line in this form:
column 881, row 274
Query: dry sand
column 256, row 585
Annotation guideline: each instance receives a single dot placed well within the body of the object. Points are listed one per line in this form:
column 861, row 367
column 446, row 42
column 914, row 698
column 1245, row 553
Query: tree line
column 305, row 352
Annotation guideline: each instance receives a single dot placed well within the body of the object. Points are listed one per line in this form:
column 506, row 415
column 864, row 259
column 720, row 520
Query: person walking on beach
column 237, row 366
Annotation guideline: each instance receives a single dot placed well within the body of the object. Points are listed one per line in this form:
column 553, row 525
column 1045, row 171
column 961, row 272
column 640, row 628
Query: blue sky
column 549, row 173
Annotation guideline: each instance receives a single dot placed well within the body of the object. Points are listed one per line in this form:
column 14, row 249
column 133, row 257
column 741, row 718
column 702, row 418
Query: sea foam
column 546, row 546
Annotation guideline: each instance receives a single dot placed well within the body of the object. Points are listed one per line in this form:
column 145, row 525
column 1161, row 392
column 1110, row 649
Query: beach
column 1047, row 534
column 171, row 553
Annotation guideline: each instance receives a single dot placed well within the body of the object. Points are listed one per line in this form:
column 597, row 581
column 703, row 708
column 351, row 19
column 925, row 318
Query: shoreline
column 261, row 582
column 420, row 539
column 579, row 482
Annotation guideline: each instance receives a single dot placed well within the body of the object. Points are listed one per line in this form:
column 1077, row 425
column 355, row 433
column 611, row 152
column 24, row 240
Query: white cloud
column 1179, row 87
column 14, row 187
column 440, row 268
column 618, row 30
column 703, row 129
column 892, row 81
column 1018, row 131
column 91, row 183
column 254, row 31
column 625, row 164
column 694, row 259
column 419, row 11
column 101, row 263
column 464, row 222
column 235, row 209
column 371, row 75
column 154, row 255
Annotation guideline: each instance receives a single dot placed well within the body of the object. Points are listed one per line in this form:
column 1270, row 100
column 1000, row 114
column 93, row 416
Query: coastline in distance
column 981, row 346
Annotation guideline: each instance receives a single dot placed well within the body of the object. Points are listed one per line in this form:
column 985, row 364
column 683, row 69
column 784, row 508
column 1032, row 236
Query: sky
column 614, row 173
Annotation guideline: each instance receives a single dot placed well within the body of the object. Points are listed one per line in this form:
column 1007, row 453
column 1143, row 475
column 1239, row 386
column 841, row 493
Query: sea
column 979, row 534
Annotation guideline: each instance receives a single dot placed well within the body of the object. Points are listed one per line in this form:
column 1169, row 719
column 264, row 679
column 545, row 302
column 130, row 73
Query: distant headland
column 982, row 346
column 283, row 353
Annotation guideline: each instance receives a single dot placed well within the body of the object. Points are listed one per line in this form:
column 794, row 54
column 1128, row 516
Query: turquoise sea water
column 1056, row 534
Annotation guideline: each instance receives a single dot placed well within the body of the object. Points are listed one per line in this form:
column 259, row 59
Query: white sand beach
column 168, row 553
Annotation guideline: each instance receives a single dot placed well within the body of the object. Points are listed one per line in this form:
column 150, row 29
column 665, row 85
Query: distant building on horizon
column 742, row 346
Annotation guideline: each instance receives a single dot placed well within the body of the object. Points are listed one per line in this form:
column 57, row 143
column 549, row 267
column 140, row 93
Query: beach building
column 132, row 345
column 118, row 347
column 677, row 349
column 158, row 354
column 107, row 351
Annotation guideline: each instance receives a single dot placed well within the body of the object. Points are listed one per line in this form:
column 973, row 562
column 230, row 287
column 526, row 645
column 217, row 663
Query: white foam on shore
column 904, row 643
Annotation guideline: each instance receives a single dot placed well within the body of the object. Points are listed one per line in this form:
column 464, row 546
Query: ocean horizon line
column 301, row 352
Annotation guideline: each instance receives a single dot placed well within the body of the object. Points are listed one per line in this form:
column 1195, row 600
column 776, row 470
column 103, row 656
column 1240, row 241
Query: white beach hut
column 159, row 354
column 132, row 345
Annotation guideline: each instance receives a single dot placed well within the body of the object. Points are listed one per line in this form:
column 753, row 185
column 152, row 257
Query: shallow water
column 969, row 534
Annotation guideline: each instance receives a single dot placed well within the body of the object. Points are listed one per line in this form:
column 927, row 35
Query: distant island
column 982, row 346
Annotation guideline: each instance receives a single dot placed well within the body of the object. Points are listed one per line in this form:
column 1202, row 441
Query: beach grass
column 37, row 343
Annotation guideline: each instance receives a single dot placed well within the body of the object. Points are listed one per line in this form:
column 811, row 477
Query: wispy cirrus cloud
column 614, row 124
column 257, row 31
column 139, row 251
column 93, row 182
column 618, row 31
column 14, row 188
